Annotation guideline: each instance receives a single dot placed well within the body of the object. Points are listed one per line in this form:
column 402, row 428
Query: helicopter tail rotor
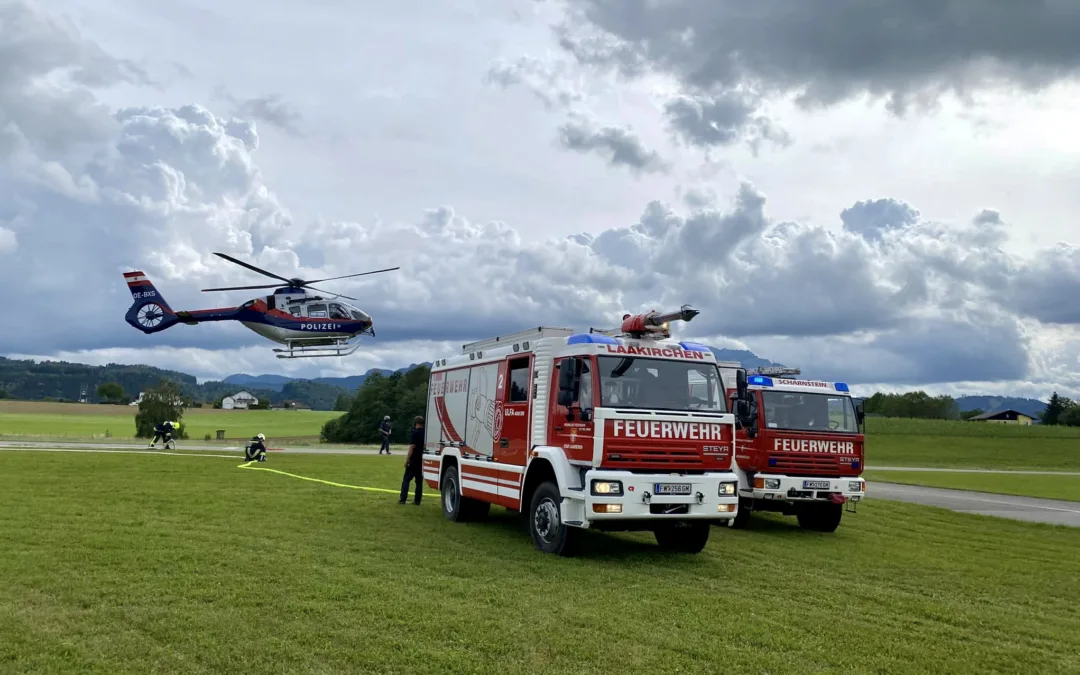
column 149, row 312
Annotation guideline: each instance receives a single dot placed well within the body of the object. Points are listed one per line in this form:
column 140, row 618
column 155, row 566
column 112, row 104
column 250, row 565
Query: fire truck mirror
column 740, row 384
column 569, row 373
column 860, row 412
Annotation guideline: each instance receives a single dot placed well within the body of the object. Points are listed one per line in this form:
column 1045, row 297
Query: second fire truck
column 604, row 430
column 800, row 450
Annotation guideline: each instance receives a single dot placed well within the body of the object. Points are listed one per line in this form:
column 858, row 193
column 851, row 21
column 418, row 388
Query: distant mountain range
column 58, row 380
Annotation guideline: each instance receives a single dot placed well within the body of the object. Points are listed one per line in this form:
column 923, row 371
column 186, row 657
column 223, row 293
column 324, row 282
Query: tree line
column 402, row 396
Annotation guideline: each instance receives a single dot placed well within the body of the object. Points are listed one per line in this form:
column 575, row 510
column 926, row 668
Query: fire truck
column 799, row 448
column 609, row 430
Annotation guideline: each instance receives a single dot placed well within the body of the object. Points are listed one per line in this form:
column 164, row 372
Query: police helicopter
column 308, row 325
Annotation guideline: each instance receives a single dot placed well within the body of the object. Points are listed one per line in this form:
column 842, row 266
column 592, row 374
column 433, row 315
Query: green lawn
column 970, row 445
column 135, row 563
column 56, row 421
column 1049, row 487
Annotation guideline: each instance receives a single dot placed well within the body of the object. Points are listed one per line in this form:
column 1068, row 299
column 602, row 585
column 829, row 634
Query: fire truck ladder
column 773, row 370
column 521, row 337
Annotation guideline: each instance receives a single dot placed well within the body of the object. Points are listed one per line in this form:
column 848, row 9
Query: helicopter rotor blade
column 348, row 276
column 251, row 267
column 242, row 288
column 336, row 295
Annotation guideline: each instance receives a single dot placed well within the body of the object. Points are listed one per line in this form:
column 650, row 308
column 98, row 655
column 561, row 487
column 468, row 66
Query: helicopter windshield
column 338, row 312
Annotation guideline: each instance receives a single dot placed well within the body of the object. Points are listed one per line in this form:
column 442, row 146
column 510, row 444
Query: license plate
column 672, row 488
column 816, row 484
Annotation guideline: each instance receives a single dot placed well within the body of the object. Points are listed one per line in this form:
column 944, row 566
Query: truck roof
column 766, row 383
column 568, row 342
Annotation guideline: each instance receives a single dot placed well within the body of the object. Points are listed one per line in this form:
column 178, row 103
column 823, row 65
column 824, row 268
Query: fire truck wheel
column 820, row 517
column 683, row 537
column 549, row 533
column 457, row 507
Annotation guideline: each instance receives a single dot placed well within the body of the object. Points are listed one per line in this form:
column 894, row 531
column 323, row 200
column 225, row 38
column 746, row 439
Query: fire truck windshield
column 809, row 412
column 659, row 384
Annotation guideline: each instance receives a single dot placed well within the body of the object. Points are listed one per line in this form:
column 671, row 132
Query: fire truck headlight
column 727, row 489
column 855, row 486
column 772, row 483
column 607, row 487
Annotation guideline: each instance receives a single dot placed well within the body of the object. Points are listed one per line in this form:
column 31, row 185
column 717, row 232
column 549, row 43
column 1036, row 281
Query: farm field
column 1048, row 487
column 75, row 421
column 147, row 563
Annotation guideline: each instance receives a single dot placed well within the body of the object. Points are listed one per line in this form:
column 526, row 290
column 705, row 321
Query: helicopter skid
column 296, row 349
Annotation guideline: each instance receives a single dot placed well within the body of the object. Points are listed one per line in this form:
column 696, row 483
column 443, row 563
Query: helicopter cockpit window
column 316, row 311
column 338, row 312
column 359, row 316
column 294, row 310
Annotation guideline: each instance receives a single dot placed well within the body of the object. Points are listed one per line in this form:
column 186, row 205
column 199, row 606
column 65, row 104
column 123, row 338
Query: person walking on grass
column 384, row 429
column 414, row 462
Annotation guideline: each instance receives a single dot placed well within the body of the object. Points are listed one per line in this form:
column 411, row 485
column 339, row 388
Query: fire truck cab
column 801, row 451
column 606, row 430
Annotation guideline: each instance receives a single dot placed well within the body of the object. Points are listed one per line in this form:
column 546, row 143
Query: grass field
column 1049, row 487
column 54, row 421
column 135, row 563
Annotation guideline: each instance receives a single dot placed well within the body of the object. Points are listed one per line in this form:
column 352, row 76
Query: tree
column 3, row 393
column 161, row 403
column 111, row 392
column 968, row 414
column 401, row 396
column 1071, row 416
column 913, row 404
column 1055, row 409
column 343, row 402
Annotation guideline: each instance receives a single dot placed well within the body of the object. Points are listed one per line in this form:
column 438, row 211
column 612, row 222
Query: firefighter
column 255, row 450
column 164, row 433
column 384, row 429
column 414, row 462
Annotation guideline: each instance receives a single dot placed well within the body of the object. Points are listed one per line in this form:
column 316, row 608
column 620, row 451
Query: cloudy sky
column 883, row 193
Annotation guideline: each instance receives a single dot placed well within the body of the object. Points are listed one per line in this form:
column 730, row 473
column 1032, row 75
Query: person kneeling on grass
column 255, row 450
column 163, row 432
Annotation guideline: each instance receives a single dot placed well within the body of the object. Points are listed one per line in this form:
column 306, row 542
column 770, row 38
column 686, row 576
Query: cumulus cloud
column 818, row 52
column 879, row 295
column 620, row 146
column 828, row 51
column 271, row 109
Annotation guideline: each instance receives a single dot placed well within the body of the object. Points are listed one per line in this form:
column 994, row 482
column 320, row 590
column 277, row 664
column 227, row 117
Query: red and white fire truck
column 595, row 430
column 800, row 450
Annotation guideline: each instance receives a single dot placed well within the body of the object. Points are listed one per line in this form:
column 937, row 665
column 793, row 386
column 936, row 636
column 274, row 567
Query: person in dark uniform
column 255, row 451
column 384, row 429
column 414, row 462
column 162, row 432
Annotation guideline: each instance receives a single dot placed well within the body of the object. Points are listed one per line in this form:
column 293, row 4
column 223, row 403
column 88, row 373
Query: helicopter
column 308, row 325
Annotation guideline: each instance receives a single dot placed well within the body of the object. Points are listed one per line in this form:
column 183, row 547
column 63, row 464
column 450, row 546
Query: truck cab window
column 519, row 381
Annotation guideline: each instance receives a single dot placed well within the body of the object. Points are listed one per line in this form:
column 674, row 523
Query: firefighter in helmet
column 164, row 433
column 255, row 450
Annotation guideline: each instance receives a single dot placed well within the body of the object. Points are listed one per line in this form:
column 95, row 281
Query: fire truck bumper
column 772, row 487
column 617, row 496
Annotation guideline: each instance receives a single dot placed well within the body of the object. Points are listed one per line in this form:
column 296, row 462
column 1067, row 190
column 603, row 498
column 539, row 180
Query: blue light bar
column 759, row 380
column 841, row 386
column 693, row 347
column 591, row 339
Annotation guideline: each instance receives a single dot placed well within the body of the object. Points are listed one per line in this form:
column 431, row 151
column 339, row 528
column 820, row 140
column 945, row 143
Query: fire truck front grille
column 660, row 458
column 803, row 465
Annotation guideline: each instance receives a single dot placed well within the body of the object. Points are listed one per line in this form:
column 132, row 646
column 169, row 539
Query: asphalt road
column 1028, row 509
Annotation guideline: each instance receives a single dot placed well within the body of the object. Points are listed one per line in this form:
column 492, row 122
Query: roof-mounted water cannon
column 654, row 326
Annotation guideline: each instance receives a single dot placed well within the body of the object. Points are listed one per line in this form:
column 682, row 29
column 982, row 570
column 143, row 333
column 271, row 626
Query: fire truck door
column 574, row 436
column 514, row 394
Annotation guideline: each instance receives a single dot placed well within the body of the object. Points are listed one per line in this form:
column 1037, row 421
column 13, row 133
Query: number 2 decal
column 499, row 386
